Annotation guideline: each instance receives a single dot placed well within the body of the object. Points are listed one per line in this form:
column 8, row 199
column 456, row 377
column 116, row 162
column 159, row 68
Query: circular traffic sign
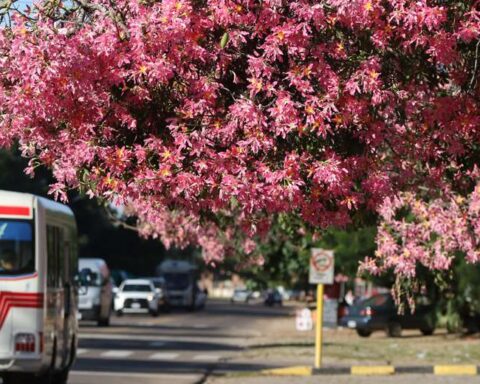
column 322, row 261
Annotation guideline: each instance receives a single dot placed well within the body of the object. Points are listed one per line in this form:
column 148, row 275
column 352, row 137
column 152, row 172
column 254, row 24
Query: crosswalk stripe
column 116, row 353
column 163, row 356
column 154, row 356
column 206, row 357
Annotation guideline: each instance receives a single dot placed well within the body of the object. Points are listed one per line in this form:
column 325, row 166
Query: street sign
column 321, row 267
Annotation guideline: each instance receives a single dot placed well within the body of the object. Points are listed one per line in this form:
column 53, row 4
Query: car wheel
column 364, row 332
column 154, row 313
column 119, row 313
column 427, row 331
column 394, row 329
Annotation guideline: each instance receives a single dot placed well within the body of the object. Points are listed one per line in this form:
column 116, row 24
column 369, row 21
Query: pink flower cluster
column 430, row 233
column 208, row 118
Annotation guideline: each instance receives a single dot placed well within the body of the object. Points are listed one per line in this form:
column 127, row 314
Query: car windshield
column 95, row 279
column 16, row 247
column 375, row 301
column 177, row 281
column 137, row 288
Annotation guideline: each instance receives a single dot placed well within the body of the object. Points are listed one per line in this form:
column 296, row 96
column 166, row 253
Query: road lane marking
column 119, row 336
column 206, row 357
column 81, row 351
column 136, row 375
column 163, row 356
column 116, row 354
column 200, row 326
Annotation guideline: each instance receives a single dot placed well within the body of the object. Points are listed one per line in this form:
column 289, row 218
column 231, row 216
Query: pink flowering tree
column 212, row 118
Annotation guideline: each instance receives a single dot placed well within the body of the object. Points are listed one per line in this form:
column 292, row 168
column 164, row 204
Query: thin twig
column 474, row 74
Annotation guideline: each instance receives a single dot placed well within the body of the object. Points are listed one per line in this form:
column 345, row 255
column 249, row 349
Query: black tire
column 119, row 313
column 155, row 313
column 427, row 331
column 27, row 378
column 364, row 332
column 60, row 377
column 394, row 329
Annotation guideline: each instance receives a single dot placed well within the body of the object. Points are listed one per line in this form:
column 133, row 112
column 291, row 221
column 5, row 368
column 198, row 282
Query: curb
column 374, row 370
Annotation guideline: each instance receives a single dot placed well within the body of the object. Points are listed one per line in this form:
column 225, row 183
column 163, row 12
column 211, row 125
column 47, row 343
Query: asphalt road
column 179, row 347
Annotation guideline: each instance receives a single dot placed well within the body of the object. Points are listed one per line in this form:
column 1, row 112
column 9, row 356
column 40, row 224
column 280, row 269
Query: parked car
column 291, row 294
column 95, row 301
column 241, row 295
column 273, row 297
column 380, row 313
column 137, row 296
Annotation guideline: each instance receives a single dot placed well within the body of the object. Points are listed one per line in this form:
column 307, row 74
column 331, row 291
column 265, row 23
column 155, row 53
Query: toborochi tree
column 212, row 118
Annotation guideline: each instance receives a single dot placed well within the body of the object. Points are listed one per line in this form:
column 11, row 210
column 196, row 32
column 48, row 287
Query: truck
column 181, row 284
column 95, row 302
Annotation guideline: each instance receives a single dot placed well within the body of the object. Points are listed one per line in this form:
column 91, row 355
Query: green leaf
column 224, row 40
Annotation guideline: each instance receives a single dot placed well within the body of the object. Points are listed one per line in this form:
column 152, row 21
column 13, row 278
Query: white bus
column 38, row 299
column 181, row 282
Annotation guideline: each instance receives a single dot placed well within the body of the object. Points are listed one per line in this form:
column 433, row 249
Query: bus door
column 68, row 301
column 57, row 261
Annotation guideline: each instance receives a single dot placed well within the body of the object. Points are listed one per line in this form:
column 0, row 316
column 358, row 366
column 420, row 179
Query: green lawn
column 344, row 347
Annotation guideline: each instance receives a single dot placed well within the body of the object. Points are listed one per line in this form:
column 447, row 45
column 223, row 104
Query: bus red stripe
column 14, row 211
column 10, row 300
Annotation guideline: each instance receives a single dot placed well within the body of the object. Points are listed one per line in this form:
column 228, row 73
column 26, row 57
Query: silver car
column 241, row 295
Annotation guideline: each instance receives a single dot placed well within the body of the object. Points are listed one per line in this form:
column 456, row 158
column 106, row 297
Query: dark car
column 273, row 297
column 380, row 313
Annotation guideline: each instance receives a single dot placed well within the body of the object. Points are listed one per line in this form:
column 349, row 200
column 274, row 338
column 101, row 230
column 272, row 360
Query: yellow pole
column 318, row 327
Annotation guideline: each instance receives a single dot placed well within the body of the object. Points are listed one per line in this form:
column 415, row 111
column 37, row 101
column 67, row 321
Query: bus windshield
column 177, row 281
column 16, row 247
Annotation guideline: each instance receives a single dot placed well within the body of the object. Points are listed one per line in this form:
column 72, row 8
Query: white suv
column 137, row 296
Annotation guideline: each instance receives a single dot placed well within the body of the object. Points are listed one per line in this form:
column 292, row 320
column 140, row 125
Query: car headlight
column 150, row 297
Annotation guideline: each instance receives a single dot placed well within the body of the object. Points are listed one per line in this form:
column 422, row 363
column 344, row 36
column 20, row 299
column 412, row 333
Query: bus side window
column 73, row 254
column 60, row 257
column 55, row 252
column 52, row 266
